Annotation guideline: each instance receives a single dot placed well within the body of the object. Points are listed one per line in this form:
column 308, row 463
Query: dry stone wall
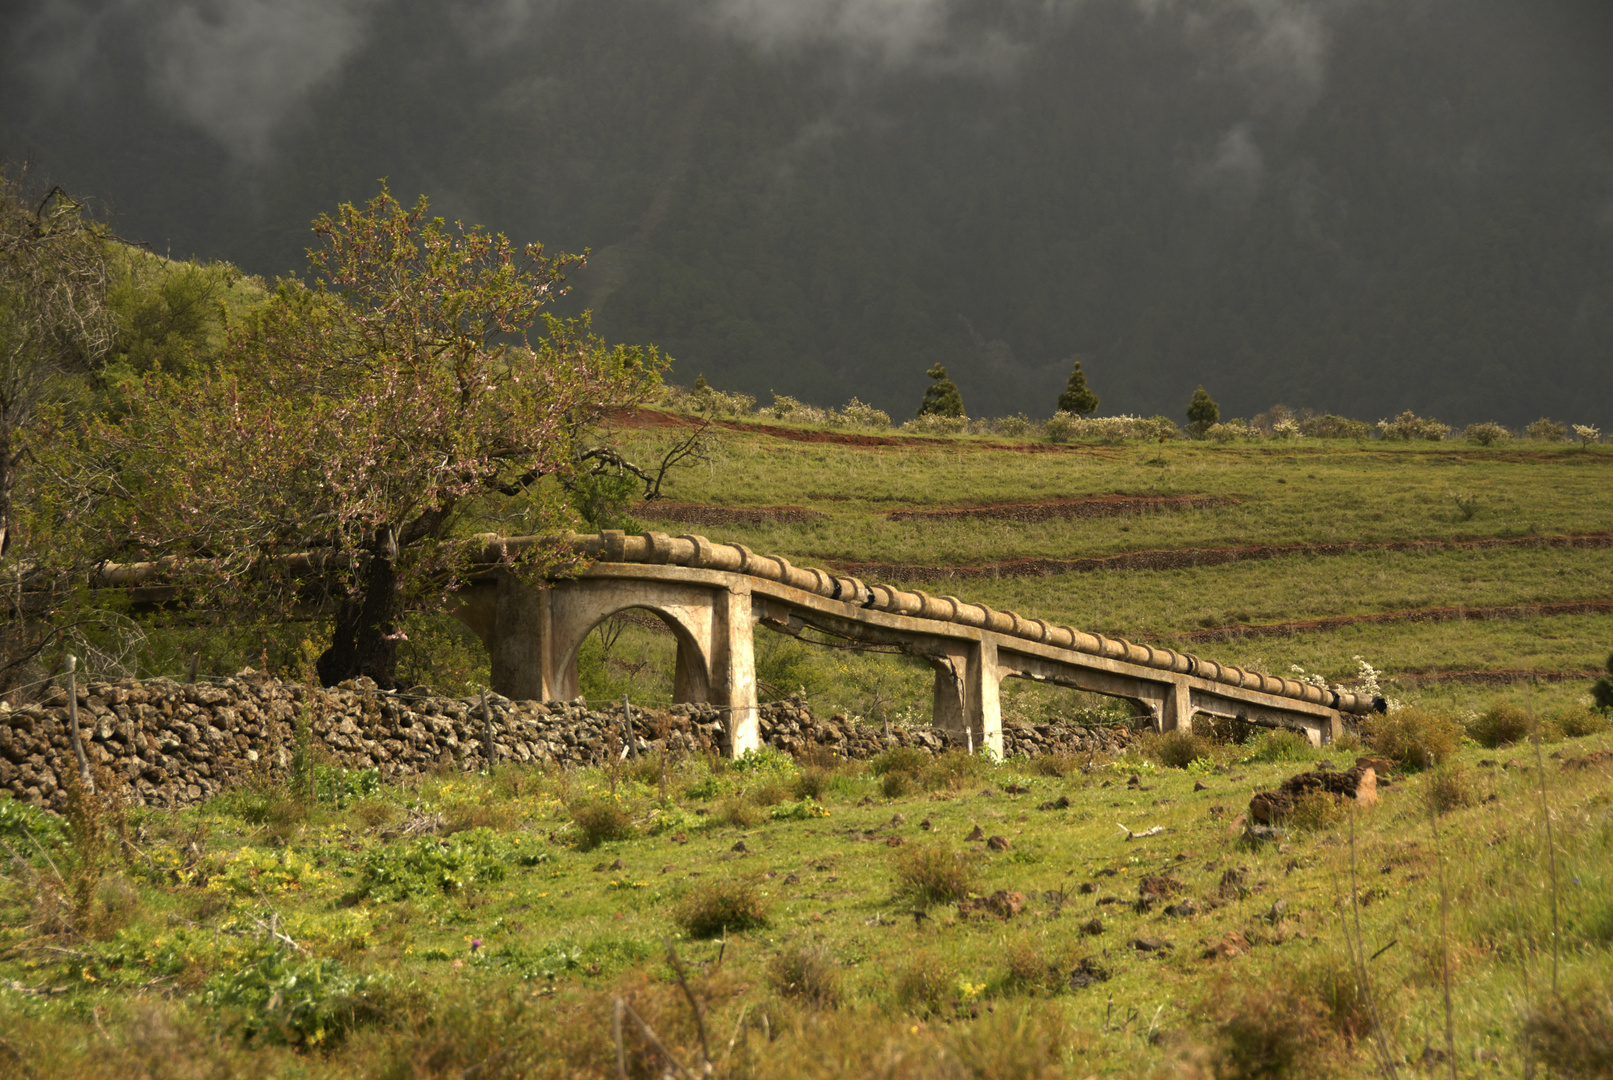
column 175, row 744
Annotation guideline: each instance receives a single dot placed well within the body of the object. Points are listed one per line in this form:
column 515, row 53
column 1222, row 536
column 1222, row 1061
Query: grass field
column 833, row 918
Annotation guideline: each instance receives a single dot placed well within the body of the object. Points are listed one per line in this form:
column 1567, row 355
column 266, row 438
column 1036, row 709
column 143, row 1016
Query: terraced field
column 1423, row 558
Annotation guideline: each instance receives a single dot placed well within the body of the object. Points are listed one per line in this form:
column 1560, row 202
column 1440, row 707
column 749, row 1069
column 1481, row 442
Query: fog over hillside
column 1357, row 205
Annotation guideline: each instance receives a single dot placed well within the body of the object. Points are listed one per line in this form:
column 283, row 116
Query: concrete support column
column 1176, row 712
column 733, row 651
column 966, row 699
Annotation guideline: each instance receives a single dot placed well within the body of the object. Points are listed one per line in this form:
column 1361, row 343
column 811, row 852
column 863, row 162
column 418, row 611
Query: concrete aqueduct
column 713, row 595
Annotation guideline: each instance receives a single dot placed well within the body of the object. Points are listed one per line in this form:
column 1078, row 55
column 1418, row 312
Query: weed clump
column 812, row 783
column 599, row 821
column 1448, row 789
column 1580, row 722
column 1572, row 1032
column 1279, row 746
column 1270, row 1032
column 934, row 875
column 712, row 910
column 924, row 985
column 1175, row 749
column 1500, row 725
column 957, row 768
column 808, row 974
column 1417, row 738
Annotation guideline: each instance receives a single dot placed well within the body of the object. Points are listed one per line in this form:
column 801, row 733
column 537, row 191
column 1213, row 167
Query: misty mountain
column 1360, row 206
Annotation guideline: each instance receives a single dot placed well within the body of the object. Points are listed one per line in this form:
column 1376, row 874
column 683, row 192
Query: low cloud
column 1236, row 166
column 237, row 68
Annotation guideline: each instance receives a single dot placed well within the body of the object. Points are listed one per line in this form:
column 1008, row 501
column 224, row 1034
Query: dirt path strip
column 1099, row 506
column 1433, row 615
column 1184, row 558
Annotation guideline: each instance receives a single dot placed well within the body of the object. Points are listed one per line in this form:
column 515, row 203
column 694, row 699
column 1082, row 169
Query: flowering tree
column 353, row 426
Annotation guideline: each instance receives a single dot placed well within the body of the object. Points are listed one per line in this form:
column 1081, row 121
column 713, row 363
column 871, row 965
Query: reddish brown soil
column 1446, row 614
column 1183, row 558
column 709, row 516
column 1100, row 506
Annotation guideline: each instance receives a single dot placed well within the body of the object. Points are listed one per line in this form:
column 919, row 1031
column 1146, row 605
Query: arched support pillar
column 533, row 635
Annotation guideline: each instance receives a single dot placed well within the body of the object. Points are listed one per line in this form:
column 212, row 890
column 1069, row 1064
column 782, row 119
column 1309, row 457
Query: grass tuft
column 599, row 821
column 1417, row 738
column 934, row 875
column 807, row 973
column 713, row 910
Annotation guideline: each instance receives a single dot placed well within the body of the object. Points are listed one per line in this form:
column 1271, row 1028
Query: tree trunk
column 363, row 641
column 10, row 462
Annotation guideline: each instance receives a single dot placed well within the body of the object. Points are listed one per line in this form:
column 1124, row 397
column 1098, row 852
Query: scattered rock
column 1231, row 944
column 977, row 833
column 1182, row 909
column 1359, row 784
column 1016, row 789
column 998, row 843
column 1151, row 944
column 1232, row 885
column 925, row 825
column 618, row 865
column 894, row 841
column 1585, row 761
column 1158, row 886
column 1001, row 904
column 1200, row 785
column 1380, row 765
column 1086, row 888
column 793, row 879
column 1092, row 927
column 1087, row 972
column 740, row 847
column 899, row 819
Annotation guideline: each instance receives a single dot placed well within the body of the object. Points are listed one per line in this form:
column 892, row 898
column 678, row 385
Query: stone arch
column 686, row 610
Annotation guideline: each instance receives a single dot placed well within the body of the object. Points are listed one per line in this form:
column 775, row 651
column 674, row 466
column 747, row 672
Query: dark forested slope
column 1358, row 205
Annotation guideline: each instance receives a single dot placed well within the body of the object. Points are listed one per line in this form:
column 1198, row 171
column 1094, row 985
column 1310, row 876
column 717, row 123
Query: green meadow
column 929, row 917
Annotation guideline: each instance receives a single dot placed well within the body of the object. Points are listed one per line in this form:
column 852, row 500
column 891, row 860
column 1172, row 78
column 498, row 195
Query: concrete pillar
column 733, row 652
column 967, row 698
column 516, row 640
column 1176, row 711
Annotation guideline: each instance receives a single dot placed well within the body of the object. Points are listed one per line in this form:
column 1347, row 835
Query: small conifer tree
column 1202, row 412
column 941, row 397
column 1078, row 398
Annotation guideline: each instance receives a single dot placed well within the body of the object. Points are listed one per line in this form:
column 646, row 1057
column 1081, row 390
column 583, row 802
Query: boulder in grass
column 1359, row 784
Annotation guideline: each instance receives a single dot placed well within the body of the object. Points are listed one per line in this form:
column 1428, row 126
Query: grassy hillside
column 832, row 918
column 1447, row 565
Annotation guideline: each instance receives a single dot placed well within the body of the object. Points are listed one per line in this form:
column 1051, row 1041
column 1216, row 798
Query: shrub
column 896, row 785
column 860, row 414
column 925, row 984
column 706, row 400
column 737, row 813
column 1546, row 430
column 1066, row 427
column 1414, row 737
column 806, row 973
column 1580, row 722
column 1409, row 427
column 1572, row 1031
column 812, row 782
column 941, row 397
column 1586, row 433
column 1335, row 427
column 1500, row 725
column 936, row 424
column 1486, row 434
column 714, row 909
column 957, row 768
column 1017, row 426
column 934, row 875
column 1448, row 789
column 1280, row 745
column 1232, row 429
column 1266, row 1031
column 599, row 821
column 900, row 759
column 1202, row 412
column 1175, row 749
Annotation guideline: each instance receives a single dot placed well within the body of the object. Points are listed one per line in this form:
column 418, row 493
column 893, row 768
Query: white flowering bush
column 860, row 414
column 1232, row 429
column 1411, row 427
column 1285, row 429
column 936, row 424
column 1065, row 427
column 1486, row 434
column 705, row 400
column 1367, row 682
column 1587, row 434
column 1017, row 426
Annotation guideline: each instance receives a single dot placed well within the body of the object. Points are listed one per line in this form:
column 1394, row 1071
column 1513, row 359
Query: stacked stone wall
column 175, row 744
